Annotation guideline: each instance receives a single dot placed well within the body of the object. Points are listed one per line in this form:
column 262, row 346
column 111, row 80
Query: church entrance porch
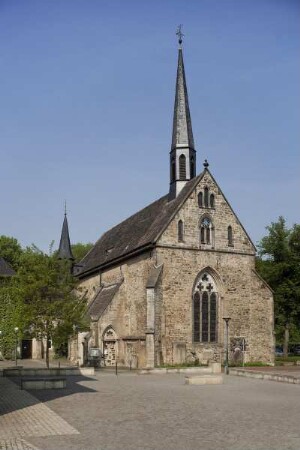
column 109, row 347
column 109, row 351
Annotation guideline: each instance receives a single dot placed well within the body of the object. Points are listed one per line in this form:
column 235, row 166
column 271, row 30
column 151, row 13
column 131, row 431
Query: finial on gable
column 180, row 35
column 205, row 164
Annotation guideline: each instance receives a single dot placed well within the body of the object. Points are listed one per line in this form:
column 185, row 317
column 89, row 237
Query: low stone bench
column 43, row 383
column 44, row 372
column 204, row 379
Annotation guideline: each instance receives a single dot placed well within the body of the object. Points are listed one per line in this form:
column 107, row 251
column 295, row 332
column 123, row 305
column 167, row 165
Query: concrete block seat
column 204, row 379
column 43, row 383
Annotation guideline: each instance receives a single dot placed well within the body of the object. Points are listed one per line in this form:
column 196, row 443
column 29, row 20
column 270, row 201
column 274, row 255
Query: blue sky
column 87, row 94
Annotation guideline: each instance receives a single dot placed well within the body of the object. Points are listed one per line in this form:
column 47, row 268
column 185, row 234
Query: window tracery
column 205, row 309
column 206, row 231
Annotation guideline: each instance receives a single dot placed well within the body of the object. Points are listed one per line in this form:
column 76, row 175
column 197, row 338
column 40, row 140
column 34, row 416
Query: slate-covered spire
column 183, row 154
column 65, row 251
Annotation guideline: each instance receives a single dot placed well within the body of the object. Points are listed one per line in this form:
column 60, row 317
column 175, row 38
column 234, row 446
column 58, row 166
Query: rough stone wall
column 126, row 314
column 221, row 215
column 89, row 286
column 159, row 322
column 242, row 294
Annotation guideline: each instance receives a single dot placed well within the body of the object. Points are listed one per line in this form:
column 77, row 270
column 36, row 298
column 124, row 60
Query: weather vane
column 180, row 34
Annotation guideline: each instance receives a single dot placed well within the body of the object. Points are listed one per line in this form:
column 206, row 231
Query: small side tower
column 65, row 251
column 182, row 154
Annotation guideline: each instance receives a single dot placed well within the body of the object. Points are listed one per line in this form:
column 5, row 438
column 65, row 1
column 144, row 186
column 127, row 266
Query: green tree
column 49, row 296
column 79, row 250
column 10, row 250
column 279, row 265
column 11, row 314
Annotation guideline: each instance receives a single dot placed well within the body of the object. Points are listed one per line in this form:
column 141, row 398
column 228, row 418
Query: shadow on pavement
column 12, row 398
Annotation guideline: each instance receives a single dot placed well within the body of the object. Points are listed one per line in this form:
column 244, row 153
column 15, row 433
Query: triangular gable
column 186, row 197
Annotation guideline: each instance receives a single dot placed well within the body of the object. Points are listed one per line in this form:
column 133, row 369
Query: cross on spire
column 180, row 34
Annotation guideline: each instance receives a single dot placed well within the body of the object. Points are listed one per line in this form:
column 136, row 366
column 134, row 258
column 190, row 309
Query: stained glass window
column 205, row 310
column 204, row 317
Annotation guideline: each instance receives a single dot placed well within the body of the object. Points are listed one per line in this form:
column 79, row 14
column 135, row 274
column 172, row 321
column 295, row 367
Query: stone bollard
column 215, row 367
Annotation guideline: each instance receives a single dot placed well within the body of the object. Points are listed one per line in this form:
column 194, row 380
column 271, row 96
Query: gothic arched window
column 212, row 200
column 182, row 167
column 206, row 197
column 206, row 231
column 180, row 231
column 200, row 199
column 173, row 170
column 205, row 306
column 230, row 235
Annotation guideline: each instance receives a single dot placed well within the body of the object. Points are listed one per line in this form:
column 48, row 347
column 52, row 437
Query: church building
column 159, row 284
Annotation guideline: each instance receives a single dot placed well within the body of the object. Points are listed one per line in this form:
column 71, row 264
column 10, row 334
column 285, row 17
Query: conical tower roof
column 65, row 251
column 182, row 124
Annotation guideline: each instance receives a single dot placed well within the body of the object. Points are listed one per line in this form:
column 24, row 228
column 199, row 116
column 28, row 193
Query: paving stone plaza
column 132, row 412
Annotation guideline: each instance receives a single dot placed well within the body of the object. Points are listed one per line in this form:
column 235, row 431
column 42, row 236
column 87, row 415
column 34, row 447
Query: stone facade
column 154, row 325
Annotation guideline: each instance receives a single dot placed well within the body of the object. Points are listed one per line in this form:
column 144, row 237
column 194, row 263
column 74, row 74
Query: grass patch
column 250, row 364
column 281, row 360
column 287, row 358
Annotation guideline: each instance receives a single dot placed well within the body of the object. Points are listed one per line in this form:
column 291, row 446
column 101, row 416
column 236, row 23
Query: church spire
column 65, row 251
column 183, row 154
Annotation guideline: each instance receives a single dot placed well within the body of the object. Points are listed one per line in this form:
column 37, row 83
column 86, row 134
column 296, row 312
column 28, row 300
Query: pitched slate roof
column 5, row 269
column 136, row 233
column 101, row 300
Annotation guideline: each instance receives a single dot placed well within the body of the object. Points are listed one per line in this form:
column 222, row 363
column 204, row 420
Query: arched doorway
column 109, row 346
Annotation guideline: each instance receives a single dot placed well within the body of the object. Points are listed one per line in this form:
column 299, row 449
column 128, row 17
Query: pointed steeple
column 65, row 251
column 183, row 154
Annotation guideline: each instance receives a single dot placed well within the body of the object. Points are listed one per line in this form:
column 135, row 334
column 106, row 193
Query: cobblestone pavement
column 159, row 412
column 16, row 444
column 22, row 415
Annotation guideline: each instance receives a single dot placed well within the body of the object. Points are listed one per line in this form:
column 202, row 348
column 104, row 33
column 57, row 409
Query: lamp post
column 16, row 333
column 227, row 320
